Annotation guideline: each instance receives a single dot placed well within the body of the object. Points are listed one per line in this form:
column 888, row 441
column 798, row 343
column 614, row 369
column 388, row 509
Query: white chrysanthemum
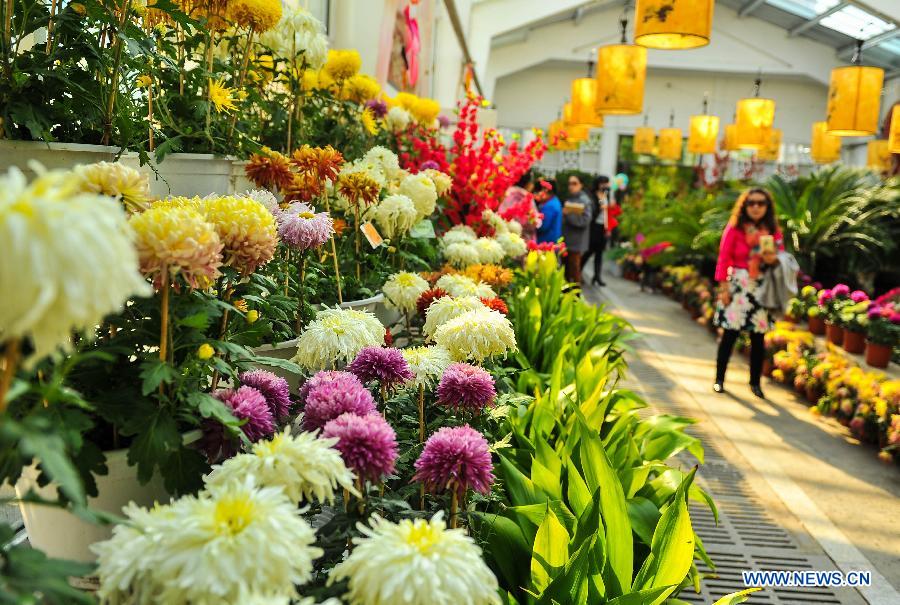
column 395, row 215
column 416, row 562
column 386, row 161
column 446, row 308
column 515, row 227
column 397, row 119
column 477, row 335
column 512, row 243
column 266, row 198
column 67, row 260
column 495, row 220
column 463, row 285
column 232, row 542
column 427, row 364
column 402, row 290
column 421, row 190
column 370, row 168
column 337, row 335
column 298, row 31
column 490, row 252
column 442, row 182
column 127, row 185
column 463, row 229
column 305, row 467
column 457, row 237
column 461, row 254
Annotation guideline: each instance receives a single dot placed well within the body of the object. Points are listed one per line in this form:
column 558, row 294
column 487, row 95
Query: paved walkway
column 796, row 491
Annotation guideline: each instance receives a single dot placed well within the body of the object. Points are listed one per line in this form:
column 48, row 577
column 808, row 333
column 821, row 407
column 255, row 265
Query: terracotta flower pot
column 854, row 342
column 812, row 394
column 834, row 333
column 817, row 325
column 878, row 356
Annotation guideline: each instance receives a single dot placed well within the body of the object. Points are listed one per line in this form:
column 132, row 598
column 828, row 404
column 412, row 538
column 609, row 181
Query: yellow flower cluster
column 259, row 15
column 341, row 65
column 247, row 230
column 423, row 110
column 129, row 186
column 493, row 275
column 360, row 88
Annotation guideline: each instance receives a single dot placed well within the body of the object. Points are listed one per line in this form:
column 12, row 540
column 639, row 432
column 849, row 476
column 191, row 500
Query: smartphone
column 767, row 243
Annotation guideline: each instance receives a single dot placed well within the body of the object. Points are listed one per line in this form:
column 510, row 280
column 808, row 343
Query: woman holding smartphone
column 750, row 244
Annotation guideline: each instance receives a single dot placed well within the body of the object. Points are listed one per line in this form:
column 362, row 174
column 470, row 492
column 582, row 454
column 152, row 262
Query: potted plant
column 882, row 333
column 833, row 301
column 816, row 320
column 853, row 320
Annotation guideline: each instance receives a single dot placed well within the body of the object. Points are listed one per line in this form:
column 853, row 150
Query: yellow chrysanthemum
column 405, row 100
column 259, row 15
column 144, row 81
column 247, row 230
column 367, row 117
column 128, row 185
column 425, row 111
column 221, row 96
column 342, row 64
column 361, row 88
column 310, row 79
column 177, row 240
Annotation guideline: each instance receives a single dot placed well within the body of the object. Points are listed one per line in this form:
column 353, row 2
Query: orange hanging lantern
column 578, row 132
column 644, row 140
column 754, row 120
column 894, row 139
column 878, row 155
column 673, row 24
column 729, row 143
column 854, row 97
column 703, row 132
column 771, row 152
column 621, row 73
column 584, row 101
column 825, row 148
column 670, row 143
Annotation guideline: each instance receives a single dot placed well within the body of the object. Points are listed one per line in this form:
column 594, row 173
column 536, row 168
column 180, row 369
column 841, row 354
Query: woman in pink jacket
column 750, row 244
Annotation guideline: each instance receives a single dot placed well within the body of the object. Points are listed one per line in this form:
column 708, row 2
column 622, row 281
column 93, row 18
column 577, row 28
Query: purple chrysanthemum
column 274, row 388
column 429, row 164
column 378, row 107
column 245, row 403
column 874, row 312
column 386, row 365
column 858, row 296
column 367, row 444
column 824, row 297
column 301, row 228
column 328, row 395
column 466, row 387
column 841, row 290
column 444, row 121
column 455, row 458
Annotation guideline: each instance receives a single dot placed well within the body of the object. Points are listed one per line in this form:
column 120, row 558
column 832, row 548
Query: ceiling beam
column 873, row 41
column 799, row 29
column 750, row 7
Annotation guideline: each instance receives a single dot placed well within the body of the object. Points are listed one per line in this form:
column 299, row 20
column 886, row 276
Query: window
column 804, row 8
column 856, row 23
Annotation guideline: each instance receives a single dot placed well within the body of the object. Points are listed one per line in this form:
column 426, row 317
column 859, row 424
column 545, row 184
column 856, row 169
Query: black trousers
column 757, row 354
column 597, row 246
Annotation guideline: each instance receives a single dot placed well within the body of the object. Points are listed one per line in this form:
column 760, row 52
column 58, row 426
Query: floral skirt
column 744, row 313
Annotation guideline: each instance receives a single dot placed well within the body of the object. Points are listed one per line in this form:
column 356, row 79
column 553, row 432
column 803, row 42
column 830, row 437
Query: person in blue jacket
column 548, row 203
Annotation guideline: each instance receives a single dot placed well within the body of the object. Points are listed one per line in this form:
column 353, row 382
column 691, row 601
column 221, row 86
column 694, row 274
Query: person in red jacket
column 750, row 244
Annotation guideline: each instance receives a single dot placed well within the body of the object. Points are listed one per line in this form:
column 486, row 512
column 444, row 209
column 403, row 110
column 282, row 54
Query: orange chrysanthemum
column 358, row 187
column 271, row 170
column 323, row 162
column 339, row 226
column 497, row 304
column 303, row 188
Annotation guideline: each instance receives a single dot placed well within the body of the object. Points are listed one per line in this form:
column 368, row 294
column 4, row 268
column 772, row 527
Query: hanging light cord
column 705, row 103
column 756, row 84
column 857, row 55
column 672, row 119
column 623, row 21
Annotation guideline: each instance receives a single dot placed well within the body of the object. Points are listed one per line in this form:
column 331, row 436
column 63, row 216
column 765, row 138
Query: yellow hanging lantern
column 621, row 71
column 878, row 155
column 578, row 132
column 894, row 139
column 703, row 134
column 669, row 144
column 771, row 152
column 854, row 96
column 673, row 24
column 825, row 148
column 584, row 101
column 558, row 136
column 644, row 140
column 754, row 121
column 729, row 143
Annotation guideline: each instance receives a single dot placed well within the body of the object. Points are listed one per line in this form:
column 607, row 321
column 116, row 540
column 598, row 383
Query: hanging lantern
column 729, row 143
column 673, row 24
column 854, row 96
column 754, row 121
column 703, row 134
column 894, row 144
column 669, row 144
column 621, row 72
column 771, row 152
column 644, row 140
column 584, row 101
column 578, row 132
column 878, row 155
column 825, row 148
column 559, row 138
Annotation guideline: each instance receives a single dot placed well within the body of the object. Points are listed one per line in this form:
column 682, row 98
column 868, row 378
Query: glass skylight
column 856, row 23
column 804, row 8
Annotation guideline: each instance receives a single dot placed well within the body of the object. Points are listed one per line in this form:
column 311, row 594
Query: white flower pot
column 281, row 350
column 61, row 534
column 52, row 156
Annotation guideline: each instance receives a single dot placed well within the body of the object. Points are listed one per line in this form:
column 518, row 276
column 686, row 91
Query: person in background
column 598, row 228
column 551, row 226
column 750, row 244
column 518, row 204
column 577, row 213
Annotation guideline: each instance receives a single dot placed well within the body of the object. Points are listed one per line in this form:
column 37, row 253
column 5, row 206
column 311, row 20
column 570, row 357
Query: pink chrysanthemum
column 274, row 388
column 465, row 387
column 245, row 403
column 301, row 228
column 386, row 365
column 328, row 395
column 455, row 458
column 367, row 444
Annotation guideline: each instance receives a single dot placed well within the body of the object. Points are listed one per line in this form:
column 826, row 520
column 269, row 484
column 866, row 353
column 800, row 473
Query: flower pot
column 52, row 156
column 817, row 325
column 61, row 534
column 878, row 356
column 854, row 342
column 188, row 174
column 812, row 394
column 281, row 350
column 834, row 333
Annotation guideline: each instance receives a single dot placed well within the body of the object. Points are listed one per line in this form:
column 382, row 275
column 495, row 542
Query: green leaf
column 644, row 516
column 570, row 586
column 736, row 597
column 545, row 479
column 519, row 488
column 199, row 321
column 551, row 550
column 509, row 551
column 155, row 372
column 50, row 451
column 157, row 438
column 210, row 407
column 642, row 597
column 578, row 492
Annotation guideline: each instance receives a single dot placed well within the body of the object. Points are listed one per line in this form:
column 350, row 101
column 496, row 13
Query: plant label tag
column 371, row 233
column 424, row 229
